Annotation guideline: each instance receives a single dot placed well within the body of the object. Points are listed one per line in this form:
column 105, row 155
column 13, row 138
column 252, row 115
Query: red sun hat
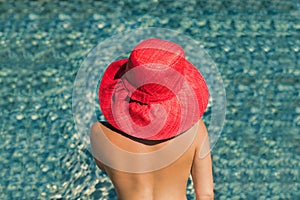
column 155, row 94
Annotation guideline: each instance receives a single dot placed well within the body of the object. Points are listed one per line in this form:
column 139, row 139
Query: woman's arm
column 202, row 166
column 94, row 130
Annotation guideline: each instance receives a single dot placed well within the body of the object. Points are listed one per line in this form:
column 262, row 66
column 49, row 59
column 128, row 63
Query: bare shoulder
column 202, row 127
column 202, row 134
column 95, row 127
column 98, row 127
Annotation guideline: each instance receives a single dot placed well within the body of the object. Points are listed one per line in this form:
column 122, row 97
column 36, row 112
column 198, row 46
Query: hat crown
column 154, row 60
column 157, row 54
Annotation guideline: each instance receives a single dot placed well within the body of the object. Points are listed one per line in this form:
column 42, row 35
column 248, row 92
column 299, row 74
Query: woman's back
column 166, row 183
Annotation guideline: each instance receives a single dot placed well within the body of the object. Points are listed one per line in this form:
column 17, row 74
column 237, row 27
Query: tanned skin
column 168, row 183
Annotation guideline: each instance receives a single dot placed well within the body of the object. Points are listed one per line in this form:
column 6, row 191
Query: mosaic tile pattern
column 256, row 45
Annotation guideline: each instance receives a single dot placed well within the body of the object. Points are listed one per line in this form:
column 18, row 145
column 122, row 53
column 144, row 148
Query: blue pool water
column 255, row 44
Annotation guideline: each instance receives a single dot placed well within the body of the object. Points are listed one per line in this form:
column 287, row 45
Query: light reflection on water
column 256, row 48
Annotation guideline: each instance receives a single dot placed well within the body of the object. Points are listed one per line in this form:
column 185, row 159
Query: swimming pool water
column 255, row 44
